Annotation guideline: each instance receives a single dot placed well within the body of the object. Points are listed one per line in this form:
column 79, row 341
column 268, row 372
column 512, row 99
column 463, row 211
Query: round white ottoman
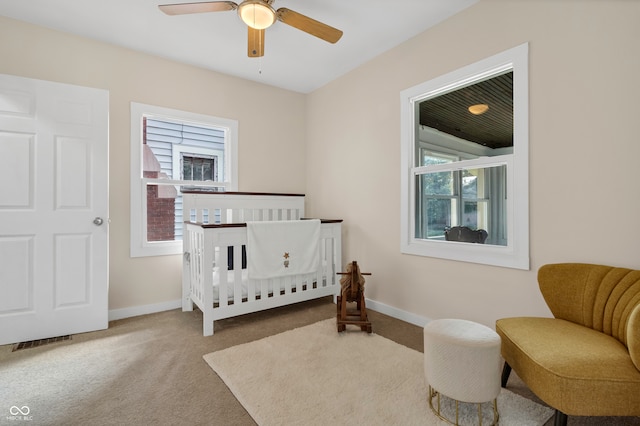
column 462, row 362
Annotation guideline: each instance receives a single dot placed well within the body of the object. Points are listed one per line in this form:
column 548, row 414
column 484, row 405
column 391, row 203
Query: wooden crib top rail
column 244, row 225
column 238, row 193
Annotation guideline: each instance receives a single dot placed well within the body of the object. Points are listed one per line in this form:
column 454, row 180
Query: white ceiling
column 293, row 59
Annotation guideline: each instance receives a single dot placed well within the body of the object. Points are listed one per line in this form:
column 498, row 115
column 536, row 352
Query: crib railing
column 239, row 207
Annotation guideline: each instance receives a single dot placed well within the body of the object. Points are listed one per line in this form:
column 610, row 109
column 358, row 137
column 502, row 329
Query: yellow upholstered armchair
column 586, row 360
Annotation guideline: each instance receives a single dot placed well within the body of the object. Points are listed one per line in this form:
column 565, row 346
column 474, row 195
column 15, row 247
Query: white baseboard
column 134, row 311
column 397, row 313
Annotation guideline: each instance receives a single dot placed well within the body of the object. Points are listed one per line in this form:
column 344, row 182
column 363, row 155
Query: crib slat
column 223, row 277
column 264, row 289
column 289, row 283
column 251, row 290
column 237, row 274
column 321, row 272
column 276, row 285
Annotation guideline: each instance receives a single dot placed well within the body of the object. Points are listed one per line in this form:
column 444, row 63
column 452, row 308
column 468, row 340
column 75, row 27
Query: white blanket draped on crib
column 280, row 248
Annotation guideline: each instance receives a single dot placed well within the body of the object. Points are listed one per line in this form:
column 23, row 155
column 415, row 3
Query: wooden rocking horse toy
column 352, row 290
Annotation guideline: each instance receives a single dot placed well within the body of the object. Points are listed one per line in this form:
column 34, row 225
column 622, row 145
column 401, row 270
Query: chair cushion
column 573, row 368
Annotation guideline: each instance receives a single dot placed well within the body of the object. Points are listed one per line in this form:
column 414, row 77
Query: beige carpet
column 313, row 375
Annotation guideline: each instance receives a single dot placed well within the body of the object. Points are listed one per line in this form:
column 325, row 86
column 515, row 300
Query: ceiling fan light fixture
column 257, row 14
column 478, row 109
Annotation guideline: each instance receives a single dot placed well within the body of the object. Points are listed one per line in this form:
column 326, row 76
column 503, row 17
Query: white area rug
column 316, row 376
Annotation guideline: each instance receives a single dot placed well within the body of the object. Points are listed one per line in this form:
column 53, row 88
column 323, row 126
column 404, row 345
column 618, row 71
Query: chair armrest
column 633, row 336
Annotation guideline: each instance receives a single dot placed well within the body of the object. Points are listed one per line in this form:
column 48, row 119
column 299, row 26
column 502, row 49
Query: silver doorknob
column 98, row 221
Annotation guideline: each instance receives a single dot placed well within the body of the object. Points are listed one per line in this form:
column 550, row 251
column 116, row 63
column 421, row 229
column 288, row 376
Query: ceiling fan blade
column 200, row 7
column 256, row 43
column 309, row 25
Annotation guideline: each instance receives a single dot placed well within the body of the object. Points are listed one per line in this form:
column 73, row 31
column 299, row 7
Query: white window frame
column 516, row 253
column 140, row 247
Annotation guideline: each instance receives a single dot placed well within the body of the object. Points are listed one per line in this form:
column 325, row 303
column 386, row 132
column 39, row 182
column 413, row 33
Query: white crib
column 218, row 285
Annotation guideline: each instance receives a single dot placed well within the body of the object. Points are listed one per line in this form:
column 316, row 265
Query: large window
column 468, row 167
column 171, row 150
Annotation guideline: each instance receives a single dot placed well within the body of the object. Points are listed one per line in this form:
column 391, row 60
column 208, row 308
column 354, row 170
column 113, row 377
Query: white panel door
column 53, row 209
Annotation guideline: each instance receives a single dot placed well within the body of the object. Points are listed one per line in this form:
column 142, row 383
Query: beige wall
column 271, row 159
column 345, row 138
column 584, row 152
